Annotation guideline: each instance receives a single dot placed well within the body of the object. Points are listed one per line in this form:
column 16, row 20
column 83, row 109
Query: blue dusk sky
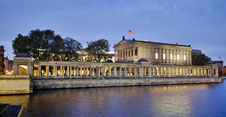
column 201, row 23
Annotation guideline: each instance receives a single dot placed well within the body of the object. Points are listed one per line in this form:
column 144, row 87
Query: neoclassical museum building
column 132, row 50
column 133, row 58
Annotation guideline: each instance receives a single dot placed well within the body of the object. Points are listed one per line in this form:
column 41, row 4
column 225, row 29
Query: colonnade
column 53, row 69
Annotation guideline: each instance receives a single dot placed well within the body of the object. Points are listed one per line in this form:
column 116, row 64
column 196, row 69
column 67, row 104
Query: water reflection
column 175, row 100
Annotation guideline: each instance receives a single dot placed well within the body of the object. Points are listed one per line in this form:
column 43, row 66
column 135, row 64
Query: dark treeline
column 46, row 45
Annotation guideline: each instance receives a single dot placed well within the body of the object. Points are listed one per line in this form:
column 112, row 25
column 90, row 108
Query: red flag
column 130, row 33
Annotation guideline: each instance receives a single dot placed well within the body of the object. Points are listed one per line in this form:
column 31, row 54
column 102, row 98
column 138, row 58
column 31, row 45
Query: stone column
column 67, row 71
column 189, row 71
column 162, row 71
column 126, row 71
column 70, row 72
column 134, row 48
column 87, row 71
column 141, row 72
column 39, row 71
column 104, row 73
column 149, row 71
column 187, row 57
column 130, row 71
column 181, row 71
column 154, row 70
column 120, row 72
column 159, row 71
column 210, row 72
column 174, row 56
column 181, row 57
column 170, row 71
column 47, row 71
column 135, row 71
column 197, row 71
column 123, row 55
column 74, row 71
column 94, row 73
column 205, row 72
column 98, row 71
column 167, row 71
column 109, row 71
column 77, row 71
column 217, row 74
column 176, row 71
column 115, row 71
column 186, row 71
column 56, row 71
column 145, row 71
column 84, row 71
column 201, row 70
column 91, row 72
column 160, row 55
column 63, row 71
column 190, row 59
column 116, row 52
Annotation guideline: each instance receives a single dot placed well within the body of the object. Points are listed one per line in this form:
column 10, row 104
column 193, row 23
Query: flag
column 130, row 33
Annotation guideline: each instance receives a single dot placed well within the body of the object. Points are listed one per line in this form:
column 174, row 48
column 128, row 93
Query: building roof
column 214, row 62
column 144, row 41
column 142, row 60
column 22, row 55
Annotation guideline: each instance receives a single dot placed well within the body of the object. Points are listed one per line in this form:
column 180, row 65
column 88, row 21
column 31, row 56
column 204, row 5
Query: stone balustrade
column 61, row 69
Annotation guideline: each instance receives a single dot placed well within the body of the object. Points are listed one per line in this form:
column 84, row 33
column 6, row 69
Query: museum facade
column 128, row 50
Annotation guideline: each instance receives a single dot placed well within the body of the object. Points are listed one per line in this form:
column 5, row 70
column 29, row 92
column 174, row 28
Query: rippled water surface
column 174, row 100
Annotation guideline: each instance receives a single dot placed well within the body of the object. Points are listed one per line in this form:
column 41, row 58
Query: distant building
column 154, row 52
column 218, row 63
column 222, row 71
column 199, row 52
column 8, row 66
column 196, row 52
column 2, row 60
column 84, row 56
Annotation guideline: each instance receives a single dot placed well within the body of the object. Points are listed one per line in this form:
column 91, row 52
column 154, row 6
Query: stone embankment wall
column 15, row 84
column 53, row 83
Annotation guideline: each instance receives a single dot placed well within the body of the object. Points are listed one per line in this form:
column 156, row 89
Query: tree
column 21, row 44
column 97, row 49
column 57, row 48
column 45, row 45
column 70, row 48
column 200, row 59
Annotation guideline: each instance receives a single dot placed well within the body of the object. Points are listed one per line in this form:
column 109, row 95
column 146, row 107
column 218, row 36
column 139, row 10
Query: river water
column 174, row 100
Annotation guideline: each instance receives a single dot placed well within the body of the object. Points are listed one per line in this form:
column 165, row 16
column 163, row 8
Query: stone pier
column 59, row 83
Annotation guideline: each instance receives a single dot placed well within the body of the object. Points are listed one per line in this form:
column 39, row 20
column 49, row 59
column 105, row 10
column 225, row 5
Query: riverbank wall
column 15, row 84
column 60, row 83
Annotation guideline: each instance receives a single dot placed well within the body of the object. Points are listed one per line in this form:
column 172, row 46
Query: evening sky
column 201, row 23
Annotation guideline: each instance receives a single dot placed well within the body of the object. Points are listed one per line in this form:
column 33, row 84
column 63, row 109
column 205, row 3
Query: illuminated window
column 171, row 56
column 156, row 55
column 164, row 56
column 185, row 57
column 22, row 69
column 178, row 57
